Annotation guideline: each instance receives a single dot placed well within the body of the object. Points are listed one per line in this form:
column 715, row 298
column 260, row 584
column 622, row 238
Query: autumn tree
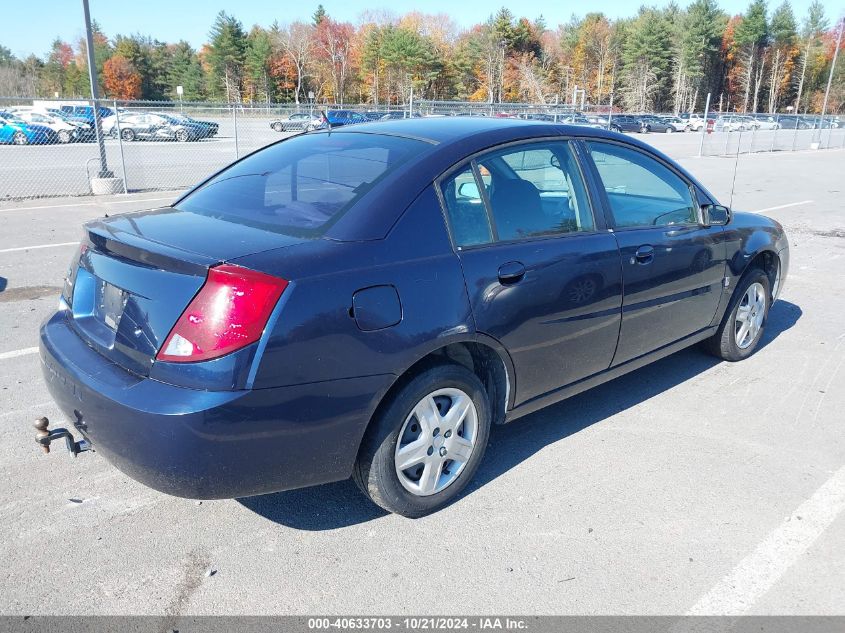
column 782, row 53
column 751, row 36
column 121, row 79
column 296, row 43
column 812, row 28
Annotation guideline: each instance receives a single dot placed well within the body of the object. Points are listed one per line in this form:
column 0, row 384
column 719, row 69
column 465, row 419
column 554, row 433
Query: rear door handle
column 511, row 272
column 644, row 255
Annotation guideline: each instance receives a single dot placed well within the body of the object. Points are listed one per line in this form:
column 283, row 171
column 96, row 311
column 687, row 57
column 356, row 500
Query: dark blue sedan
column 370, row 301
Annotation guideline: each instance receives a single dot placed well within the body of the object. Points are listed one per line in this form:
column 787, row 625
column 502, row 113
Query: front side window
column 302, row 185
column 522, row 192
column 642, row 191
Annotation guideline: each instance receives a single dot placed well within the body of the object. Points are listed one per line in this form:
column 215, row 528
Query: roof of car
column 446, row 130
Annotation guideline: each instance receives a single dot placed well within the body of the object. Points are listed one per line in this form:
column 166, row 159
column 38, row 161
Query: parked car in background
column 695, row 121
column 578, row 119
column 65, row 132
column 85, row 113
column 338, row 118
column 792, row 122
column 86, row 130
column 391, row 115
column 735, row 123
column 654, row 123
column 137, row 126
column 296, row 122
column 14, row 130
column 626, row 123
column 766, row 122
column 599, row 119
column 368, row 303
column 187, row 128
column 677, row 123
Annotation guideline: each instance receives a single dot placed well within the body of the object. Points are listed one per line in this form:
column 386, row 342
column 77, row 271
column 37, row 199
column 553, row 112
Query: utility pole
column 92, row 76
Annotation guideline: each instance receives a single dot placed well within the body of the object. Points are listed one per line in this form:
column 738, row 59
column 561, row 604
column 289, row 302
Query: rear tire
column 127, row 134
column 182, row 136
column 415, row 426
column 20, row 139
column 64, row 136
column 745, row 321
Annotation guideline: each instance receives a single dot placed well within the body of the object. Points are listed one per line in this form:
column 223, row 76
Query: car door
column 673, row 267
column 542, row 274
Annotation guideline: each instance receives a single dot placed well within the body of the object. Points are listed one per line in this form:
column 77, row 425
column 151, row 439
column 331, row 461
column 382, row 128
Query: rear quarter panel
column 316, row 337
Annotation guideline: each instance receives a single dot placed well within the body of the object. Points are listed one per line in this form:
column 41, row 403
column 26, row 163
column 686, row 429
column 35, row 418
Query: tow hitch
column 44, row 436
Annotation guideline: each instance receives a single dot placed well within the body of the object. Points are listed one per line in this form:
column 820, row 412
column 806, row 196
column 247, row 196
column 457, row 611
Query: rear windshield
column 303, row 185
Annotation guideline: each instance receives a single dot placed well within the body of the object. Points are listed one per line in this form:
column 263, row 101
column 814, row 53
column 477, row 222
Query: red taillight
column 229, row 312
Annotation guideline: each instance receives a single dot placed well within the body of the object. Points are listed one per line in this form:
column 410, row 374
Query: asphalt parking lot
column 689, row 486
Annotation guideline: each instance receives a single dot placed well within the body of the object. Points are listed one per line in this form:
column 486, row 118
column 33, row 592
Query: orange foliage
column 120, row 78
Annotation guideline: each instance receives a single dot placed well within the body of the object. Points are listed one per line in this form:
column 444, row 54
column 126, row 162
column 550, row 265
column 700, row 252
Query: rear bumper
column 207, row 444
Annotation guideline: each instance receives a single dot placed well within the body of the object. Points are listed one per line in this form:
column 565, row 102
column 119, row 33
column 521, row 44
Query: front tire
column 127, row 134
column 64, row 136
column 182, row 136
column 742, row 327
column 20, row 139
column 426, row 442
column 278, row 127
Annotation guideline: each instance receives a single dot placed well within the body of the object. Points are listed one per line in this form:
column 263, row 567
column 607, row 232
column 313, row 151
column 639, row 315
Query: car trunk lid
column 137, row 272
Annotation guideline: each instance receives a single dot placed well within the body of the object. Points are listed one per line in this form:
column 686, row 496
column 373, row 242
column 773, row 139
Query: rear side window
column 523, row 192
column 304, row 184
column 641, row 190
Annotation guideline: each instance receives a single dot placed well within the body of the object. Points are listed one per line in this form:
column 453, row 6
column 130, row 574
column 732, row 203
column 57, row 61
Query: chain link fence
column 729, row 135
column 49, row 147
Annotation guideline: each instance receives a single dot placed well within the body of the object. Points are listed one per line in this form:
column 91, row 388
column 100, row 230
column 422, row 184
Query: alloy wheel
column 436, row 441
column 750, row 315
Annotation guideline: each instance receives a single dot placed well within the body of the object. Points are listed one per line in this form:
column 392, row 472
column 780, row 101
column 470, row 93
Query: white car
column 65, row 131
column 735, row 123
column 766, row 122
column 677, row 123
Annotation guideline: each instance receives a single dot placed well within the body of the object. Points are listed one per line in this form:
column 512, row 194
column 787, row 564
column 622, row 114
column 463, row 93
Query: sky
column 173, row 20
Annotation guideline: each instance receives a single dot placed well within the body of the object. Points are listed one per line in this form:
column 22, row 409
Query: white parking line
column 783, row 206
column 30, row 248
column 18, row 352
column 762, row 568
column 88, row 204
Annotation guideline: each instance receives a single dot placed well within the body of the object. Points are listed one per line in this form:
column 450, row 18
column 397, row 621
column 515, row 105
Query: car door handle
column 511, row 272
column 644, row 255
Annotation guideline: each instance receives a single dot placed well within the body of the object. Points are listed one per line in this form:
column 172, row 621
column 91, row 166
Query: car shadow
column 337, row 505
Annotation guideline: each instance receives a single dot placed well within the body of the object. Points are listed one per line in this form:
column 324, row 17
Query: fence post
column 235, row 125
column 753, row 136
column 120, row 147
column 795, row 135
column 704, row 127
column 775, row 133
column 727, row 134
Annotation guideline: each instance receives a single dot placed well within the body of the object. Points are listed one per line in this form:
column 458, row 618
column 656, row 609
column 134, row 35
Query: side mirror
column 469, row 190
column 715, row 214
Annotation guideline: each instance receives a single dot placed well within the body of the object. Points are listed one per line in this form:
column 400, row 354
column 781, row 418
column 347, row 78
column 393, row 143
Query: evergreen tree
column 319, row 15
column 226, row 56
column 185, row 71
column 257, row 64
